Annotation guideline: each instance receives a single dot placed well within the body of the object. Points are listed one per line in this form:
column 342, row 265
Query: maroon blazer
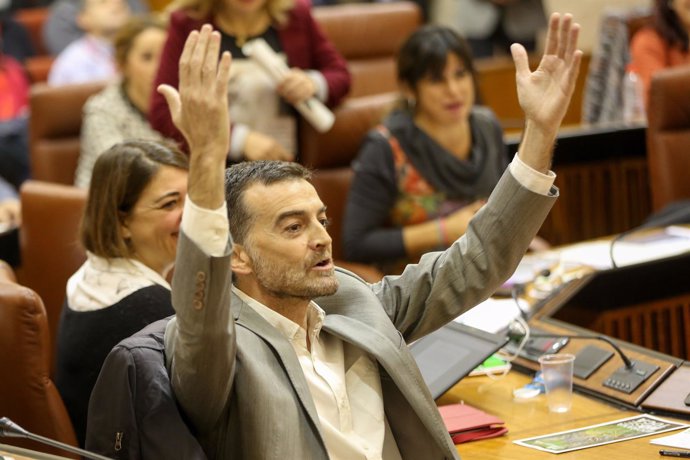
column 303, row 42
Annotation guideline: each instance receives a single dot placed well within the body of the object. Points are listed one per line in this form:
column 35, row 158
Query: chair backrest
column 49, row 247
column 339, row 146
column 668, row 136
column 369, row 35
column 333, row 185
column 33, row 19
column 38, row 68
column 54, row 127
column 27, row 393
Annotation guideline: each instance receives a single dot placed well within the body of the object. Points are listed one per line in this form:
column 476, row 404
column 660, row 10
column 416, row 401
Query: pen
column 675, row 453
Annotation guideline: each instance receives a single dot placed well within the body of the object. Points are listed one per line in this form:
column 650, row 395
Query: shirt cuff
column 321, row 85
column 207, row 228
column 530, row 178
column 238, row 137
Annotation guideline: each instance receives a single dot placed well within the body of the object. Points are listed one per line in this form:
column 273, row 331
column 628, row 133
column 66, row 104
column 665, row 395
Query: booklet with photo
column 597, row 435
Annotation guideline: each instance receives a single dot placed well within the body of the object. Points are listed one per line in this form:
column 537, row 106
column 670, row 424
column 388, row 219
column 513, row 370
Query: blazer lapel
column 396, row 361
column 247, row 317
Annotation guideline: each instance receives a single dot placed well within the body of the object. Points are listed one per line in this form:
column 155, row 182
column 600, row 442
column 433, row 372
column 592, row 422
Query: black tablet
column 450, row 353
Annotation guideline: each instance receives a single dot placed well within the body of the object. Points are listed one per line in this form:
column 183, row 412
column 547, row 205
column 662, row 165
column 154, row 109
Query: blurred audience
column 90, row 57
column 264, row 126
column 422, row 174
column 10, row 208
column 14, row 121
column 662, row 44
column 120, row 111
column 491, row 26
column 15, row 40
column 129, row 230
column 62, row 26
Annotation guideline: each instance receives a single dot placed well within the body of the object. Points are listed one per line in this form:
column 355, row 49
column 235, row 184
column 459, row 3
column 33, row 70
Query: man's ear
column 240, row 262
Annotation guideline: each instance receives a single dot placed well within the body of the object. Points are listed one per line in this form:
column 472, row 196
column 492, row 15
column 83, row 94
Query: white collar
column 102, row 282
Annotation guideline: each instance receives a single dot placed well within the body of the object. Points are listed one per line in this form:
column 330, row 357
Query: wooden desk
column 532, row 418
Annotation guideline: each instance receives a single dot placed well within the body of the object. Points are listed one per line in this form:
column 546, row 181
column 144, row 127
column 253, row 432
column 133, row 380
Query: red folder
column 465, row 423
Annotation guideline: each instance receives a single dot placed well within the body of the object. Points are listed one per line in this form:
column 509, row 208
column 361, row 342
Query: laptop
column 452, row 352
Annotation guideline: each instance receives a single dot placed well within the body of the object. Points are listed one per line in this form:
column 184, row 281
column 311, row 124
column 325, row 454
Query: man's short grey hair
column 239, row 177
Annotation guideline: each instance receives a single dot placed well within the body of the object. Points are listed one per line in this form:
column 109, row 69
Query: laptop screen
column 450, row 353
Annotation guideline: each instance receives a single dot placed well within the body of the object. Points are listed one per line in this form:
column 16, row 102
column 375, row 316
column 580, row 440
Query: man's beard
column 285, row 282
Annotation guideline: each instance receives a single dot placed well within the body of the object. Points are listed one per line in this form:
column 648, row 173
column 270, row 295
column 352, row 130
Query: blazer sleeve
column 445, row 284
column 307, row 47
column 200, row 340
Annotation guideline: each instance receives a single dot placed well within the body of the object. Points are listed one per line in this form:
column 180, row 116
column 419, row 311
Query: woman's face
column 448, row 99
column 142, row 62
column 682, row 9
column 153, row 225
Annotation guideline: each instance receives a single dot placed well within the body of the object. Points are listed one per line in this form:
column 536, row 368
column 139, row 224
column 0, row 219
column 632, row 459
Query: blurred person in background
column 424, row 172
column 491, row 26
column 663, row 43
column 264, row 124
column 62, row 26
column 120, row 111
column 91, row 57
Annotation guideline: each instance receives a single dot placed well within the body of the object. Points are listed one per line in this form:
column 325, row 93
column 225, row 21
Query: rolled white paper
column 312, row 109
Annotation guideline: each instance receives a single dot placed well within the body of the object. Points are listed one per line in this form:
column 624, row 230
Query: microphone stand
column 11, row 430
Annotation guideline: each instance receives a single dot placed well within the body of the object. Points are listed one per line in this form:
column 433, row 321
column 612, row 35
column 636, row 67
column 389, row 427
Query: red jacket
column 303, row 42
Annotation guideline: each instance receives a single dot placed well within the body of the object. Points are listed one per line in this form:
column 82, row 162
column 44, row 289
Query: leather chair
column 339, row 146
column 54, row 127
column 369, row 35
column 33, row 19
column 333, row 186
column 668, row 136
column 48, row 242
column 27, row 394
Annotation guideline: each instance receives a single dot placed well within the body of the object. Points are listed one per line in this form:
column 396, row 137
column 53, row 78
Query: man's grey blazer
column 239, row 381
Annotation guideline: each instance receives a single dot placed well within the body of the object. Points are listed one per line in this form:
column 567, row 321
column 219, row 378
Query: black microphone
column 10, row 429
column 625, row 379
column 667, row 216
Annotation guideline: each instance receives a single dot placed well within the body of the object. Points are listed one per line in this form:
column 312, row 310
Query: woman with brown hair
column 129, row 230
column 662, row 44
column 264, row 126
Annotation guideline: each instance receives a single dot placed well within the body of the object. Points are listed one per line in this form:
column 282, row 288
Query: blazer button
column 197, row 304
column 200, row 277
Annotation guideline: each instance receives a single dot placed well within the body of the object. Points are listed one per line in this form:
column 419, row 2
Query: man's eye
column 325, row 222
column 294, row 228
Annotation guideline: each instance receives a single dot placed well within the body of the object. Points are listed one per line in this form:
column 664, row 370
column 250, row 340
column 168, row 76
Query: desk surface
column 532, row 418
